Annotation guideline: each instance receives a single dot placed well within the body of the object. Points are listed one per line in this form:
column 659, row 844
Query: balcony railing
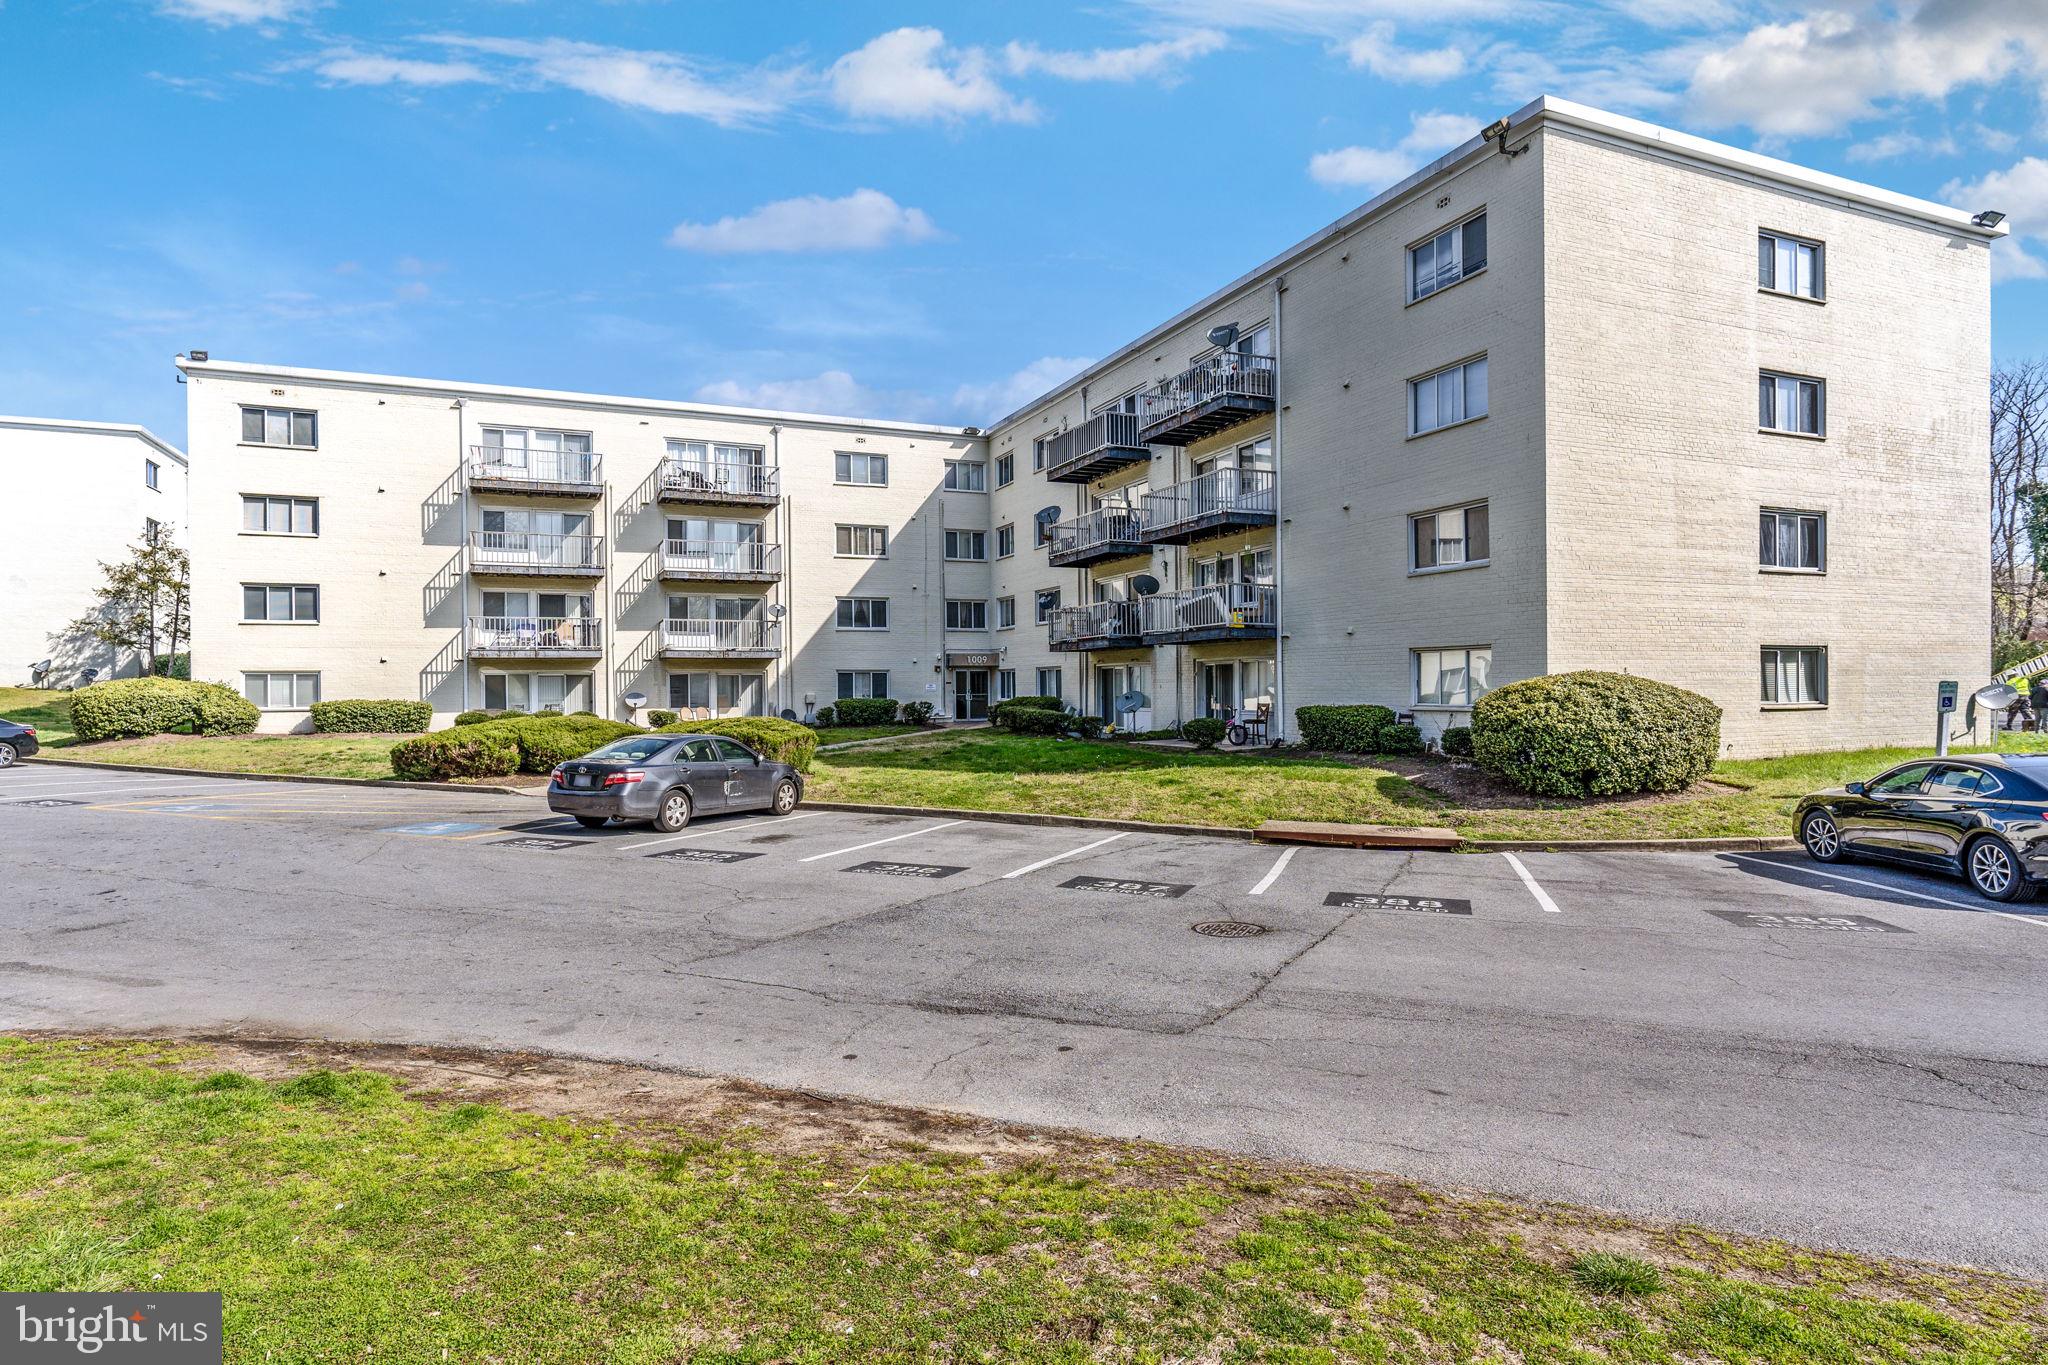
column 1206, row 398
column 1218, row 500
column 1094, row 625
column 698, row 635
column 535, row 635
column 720, row 559
column 718, row 481
column 1105, row 533
column 1217, row 612
column 532, row 552
column 1105, row 442
column 578, row 471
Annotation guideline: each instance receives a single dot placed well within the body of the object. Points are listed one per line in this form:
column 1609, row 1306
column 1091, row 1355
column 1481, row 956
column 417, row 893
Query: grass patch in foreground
column 48, row 711
column 343, row 1219
column 291, row 755
column 846, row 734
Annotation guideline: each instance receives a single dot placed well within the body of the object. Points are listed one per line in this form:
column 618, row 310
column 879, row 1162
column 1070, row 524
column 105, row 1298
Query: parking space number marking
column 1117, row 886
column 1367, row 900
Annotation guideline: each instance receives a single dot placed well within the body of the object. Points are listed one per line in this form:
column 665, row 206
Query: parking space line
column 1062, row 857
column 722, row 829
column 877, row 843
column 1279, row 866
column 149, row 789
column 2039, row 921
column 1542, row 897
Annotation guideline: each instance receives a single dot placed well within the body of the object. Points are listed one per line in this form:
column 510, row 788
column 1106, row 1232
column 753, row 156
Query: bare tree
column 2019, row 502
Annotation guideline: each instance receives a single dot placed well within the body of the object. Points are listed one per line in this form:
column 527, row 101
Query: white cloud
column 346, row 67
column 1003, row 396
column 832, row 391
column 1376, row 51
column 1329, row 17
column 1157, row 59
column 660, row 82
column 911, row 75
column 224, row 13
column 1429, row 135
column 2020, row 192
column 865, row 220
column 1886, row 146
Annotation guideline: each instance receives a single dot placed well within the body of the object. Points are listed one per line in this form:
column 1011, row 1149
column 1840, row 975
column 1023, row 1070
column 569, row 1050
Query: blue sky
column 926, row 211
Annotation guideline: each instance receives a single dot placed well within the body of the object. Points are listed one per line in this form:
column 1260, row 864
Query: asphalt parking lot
column 1851, row 1055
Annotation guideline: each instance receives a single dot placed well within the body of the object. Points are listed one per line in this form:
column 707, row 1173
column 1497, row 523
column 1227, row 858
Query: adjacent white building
column 81, row 494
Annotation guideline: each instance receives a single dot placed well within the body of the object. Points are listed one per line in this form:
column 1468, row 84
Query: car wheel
column 7, row 755
column 785, row 797
column 593, row 821
column 674, row 813
column 1994, row 870
column 1822, row 837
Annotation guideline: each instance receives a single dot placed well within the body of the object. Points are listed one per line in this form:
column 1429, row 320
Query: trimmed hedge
column 1001, row 715
column 782, row 740
column 127, row 707
column 1456, row 741
column 918, row 712
column 506, row 745
column 1400, row 741
column 657, row 719
column 1343, row 729
column 362, row 716
column 827, row 718
column 1595, row 734
column 545, row 741
column 473, row 717
column 865, row 711
column 1032, row 720
column 1204, row 732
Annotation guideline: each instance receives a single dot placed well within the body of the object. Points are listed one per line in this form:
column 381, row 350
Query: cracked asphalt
column 1852, row 1058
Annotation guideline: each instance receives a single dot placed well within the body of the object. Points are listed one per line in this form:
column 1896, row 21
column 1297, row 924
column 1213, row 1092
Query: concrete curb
column 307, row 778
column 1629, row 845
column 1006, row 817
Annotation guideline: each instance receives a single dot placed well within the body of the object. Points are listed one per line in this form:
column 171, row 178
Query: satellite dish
column 635, row 700
column 40, row 671
column 1130, row 702
column 1996, row 697
column 787, row 714
column 1144, row 584
column 1046, row 516
column 1224, row 337
column 777, row 610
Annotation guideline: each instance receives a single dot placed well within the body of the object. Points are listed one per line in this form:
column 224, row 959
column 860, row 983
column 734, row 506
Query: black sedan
column 668, row 779
column 16, row 741
column 1983, row 817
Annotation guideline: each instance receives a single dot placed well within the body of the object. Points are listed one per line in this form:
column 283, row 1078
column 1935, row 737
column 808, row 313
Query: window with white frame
column 1795, row 675
column 967, row 545
column 966, row 614
column 1792, row 403
column 857, row 467
column 1450, row 396
column 1006, row 470
column 1792, row 542
column 152, row 530
column 1790, row 265
column 293, row 602
column 966, row 476
column 864, row 542
column 1454, row 538
column 1038, row 453
column 1006, row 684
column 1048, row 682
column 863, row 684
column 863, row 613
column 280, row 427
column 1047, row 602
column 1450, row 256
column 721, row 694
column 281, row 691
column 534, row 692
column 1451, row 677
column 264, row 515
column 151, row 473
column 1006, row 613
column 1006, row 540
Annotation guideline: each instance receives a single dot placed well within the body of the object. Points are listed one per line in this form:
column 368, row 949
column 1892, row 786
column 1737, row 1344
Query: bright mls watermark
column 164, row 1329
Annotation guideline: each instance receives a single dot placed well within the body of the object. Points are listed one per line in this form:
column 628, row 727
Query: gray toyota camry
column 668, row 779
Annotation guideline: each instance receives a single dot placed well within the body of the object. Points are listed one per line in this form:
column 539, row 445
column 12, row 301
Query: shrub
column 591, row 714
column 1031, row 720
column 177, row 666
column 918, row 712
column 1606, row 1272
column 157, row 706
column 1595, row 734
column 1400, row 740
column 782, row 740
column 1086, row 727
column 1001, row 714
column 545, row 741
column 473, row 717
column 1456, row 741
column 1343, row 729
column 372, row 717
column 827, row 717
column 1204, row 732
column 657, row 719
column 483, row 750
column 865, row 711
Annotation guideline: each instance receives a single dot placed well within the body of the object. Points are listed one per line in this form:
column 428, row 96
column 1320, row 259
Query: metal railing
column 536, row 634
column 534, row 550
column 514, row 464
column 698, row 634
column 1103, row 431
column 1228, row 375
column 731, row 477
column 1103, row 526
column 1248, row 491
column 720, row 556
column 1093, row 621
column 1220, row 606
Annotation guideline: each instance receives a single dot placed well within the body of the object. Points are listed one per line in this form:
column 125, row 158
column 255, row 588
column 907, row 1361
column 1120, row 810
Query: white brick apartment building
column 83, row 494
column 1592, row 395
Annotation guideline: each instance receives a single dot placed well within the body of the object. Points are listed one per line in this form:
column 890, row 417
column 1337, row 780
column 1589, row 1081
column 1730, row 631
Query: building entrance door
column 970, row 694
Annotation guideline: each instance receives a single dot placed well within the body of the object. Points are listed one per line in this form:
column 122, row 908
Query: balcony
column 1221, row 611
column 1105, row 533
column 1221, row 500
column 527, row 554
column 721, row 561
column 1097, row 625
column 698, row 638
column 1215, row 395
column 535, row 637
column 1106, row 442
column 717, row 483
column 544, row 473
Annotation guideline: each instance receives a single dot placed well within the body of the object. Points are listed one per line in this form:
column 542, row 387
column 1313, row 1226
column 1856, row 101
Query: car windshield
column 633, row 750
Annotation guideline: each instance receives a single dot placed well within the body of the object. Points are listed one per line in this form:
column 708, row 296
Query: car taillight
column 621, row 779
column 555, row 777
column 29, row 730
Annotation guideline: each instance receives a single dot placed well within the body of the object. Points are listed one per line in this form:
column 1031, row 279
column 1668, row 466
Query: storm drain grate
column 1230, row 928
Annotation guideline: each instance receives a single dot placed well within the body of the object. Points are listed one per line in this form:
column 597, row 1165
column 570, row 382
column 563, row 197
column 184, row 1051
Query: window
column 1006, row 684
column 1451, row 677
column 281, row 691
column 1950, row 784
column 1900, row 781
column 152, row 530
column 1795, row 675
column 963, row 614
column 150, row 471
column 536, row 692
column 1041, row 533
column 1048, row 682
column 864, row 542
column 280, row 516
column 966, row 476
column 719, row 694
column 1446, row 258
column 1451, row 539
column 1787, row 265
column 1006, row 540
column 279, row 427
column 1038, row 454
column 1048, row 603
column 1447, row 397
column 854, row 467
column 1006, row 470
column 1006, row 613
column 296, row 602
column 863, row 613
column 1786, row 402
column 967, row 545
column 1792, row 542
column 863, row 684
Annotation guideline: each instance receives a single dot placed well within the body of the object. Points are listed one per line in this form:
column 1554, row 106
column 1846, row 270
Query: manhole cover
column 1230, row 928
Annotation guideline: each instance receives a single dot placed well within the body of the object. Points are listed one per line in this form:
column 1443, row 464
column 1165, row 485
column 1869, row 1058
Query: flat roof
column 141, row 433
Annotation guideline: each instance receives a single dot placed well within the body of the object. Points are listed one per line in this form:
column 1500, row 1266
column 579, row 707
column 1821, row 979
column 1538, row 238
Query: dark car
column 1981, row 816
column 668, row 779
column 16, row 741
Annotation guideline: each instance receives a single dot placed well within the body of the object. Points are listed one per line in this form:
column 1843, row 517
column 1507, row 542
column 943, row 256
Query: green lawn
column 846, row 734
column 342, row 1218
column 49, row 712
column 294, row 755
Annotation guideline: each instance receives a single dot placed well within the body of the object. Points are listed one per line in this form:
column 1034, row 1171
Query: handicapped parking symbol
column 434, row 828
